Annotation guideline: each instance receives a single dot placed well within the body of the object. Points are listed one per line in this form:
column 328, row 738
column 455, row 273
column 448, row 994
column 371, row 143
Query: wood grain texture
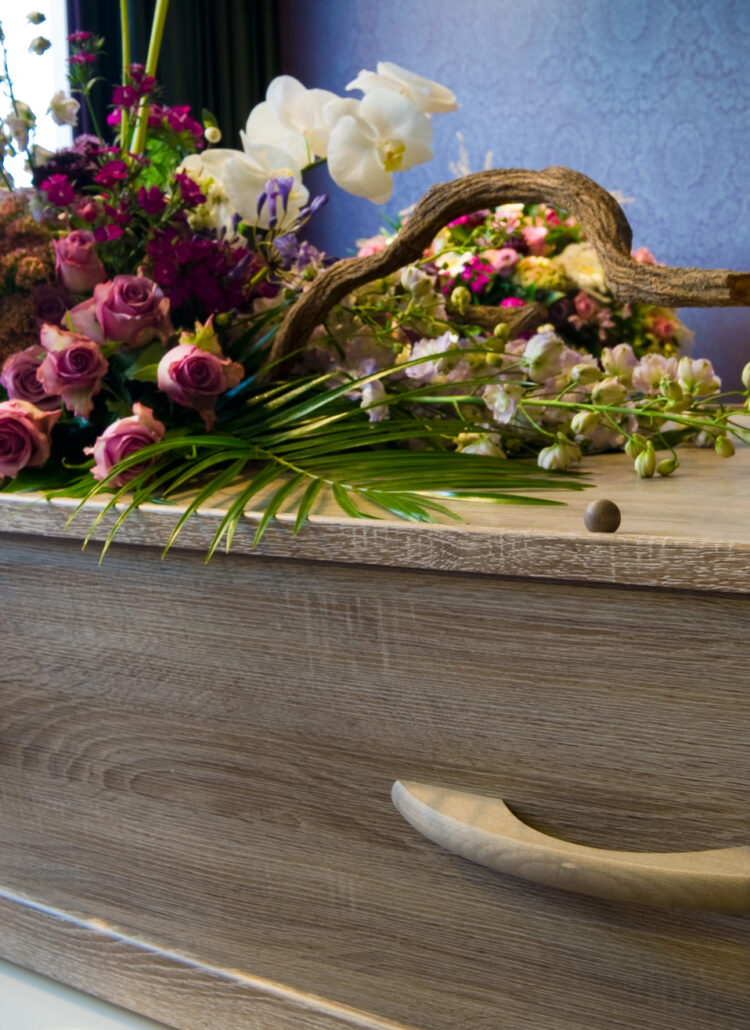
column 484, row 830
column 689, row 531
column 176, row 764
column 94, row 957
column 604, row 224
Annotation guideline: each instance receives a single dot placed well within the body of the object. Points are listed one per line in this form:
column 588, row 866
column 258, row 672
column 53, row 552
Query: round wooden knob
column 602, row 517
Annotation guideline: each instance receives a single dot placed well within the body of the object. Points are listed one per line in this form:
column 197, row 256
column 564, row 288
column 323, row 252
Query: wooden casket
column 196, row 764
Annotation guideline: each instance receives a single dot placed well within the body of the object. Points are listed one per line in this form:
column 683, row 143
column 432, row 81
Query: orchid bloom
column 291, row 118
column 243, row 176
column 429, row 96
column 388, row 133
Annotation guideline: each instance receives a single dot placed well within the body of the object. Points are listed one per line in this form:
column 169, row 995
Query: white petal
column 396, row 117
column 283, row 96
column 428, row 95
column 264, row 127
column 353, row 161
column 336, row 109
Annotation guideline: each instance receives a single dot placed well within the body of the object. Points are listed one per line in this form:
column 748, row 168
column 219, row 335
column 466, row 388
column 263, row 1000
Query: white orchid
column 242, row 177
column 388, row 134
column 291, row 118
column 429, row 96
column 64, row 110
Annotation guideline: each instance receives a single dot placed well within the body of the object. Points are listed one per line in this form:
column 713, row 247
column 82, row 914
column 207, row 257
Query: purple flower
column 132, row 310
column 123, row 438
column 24, row 436
column 195, row 378
column 19, row 378
column 50, row 304
column 77, row 264
column 189, row 189
column 112, row 172
column 73, row 367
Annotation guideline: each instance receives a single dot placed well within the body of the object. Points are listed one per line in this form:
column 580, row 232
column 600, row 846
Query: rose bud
column 50, row 305
column 19, row 377
column 76, row 262
column 123, row 438
column 74, row 367
column 24, row 436
column 132, row 310
column 195, row 377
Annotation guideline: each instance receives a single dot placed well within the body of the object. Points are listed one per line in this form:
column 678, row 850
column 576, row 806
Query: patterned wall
column 649, row 97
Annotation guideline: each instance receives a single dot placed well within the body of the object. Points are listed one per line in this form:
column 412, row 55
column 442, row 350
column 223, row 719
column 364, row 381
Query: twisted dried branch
column 601, row 217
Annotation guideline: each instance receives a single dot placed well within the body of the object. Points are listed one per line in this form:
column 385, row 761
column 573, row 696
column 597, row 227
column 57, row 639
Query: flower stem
column 154, row 46
column 125, row 36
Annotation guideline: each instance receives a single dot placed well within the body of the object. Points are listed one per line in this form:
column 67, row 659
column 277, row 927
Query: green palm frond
column 296, row 440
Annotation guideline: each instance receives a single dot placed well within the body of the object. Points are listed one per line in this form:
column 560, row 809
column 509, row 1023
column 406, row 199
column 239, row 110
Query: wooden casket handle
column 484, row 830
column 601, row 217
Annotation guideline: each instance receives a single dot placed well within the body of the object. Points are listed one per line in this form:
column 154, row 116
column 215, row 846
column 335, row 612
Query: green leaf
column 305, row 506
column 274, row 504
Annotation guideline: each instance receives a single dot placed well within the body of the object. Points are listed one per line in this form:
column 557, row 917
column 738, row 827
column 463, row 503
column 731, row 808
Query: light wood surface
column 484, row 830
column 200, row 758
column 690, row 531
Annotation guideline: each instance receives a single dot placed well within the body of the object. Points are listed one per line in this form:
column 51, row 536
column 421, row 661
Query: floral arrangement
column 143, row 278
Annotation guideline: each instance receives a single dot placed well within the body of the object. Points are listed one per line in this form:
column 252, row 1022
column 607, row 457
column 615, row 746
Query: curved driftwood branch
column 601, row 217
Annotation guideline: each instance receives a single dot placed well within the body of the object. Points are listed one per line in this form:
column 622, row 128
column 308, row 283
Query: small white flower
column 371, row 394
column 619, row 361
column 39, row 45
column 649, row 372
column 502, row 400
column 64, row 110
column 542, row 356
column 291, row 118
column 609, row 391
column 488, row 444
column 581, row 265
column 697, row 376
column 429, row 96
column 560, row 455
column 388, row 134
column 424, row 349
column 20, row 121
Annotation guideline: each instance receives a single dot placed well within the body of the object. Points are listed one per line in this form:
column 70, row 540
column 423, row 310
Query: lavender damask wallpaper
column 649, row 97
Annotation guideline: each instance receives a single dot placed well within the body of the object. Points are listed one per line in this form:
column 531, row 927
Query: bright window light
column 36, row 78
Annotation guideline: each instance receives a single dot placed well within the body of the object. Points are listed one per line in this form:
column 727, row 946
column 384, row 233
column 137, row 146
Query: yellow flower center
column 391, row 154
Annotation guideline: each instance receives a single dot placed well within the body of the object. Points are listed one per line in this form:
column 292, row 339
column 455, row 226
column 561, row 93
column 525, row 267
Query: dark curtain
column 217, row 54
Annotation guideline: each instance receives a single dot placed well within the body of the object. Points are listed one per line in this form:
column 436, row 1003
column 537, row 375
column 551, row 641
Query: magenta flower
column 195, row 378
column 512, row 302
column 77, row 264
column 189, row 189
column 123, row 438
column 82, row 58
column 59, row 190
column 111, row 173
column 73, row 368
column 152, row 200
column 24, row 436
column 104, row 233
column 19, row 377
column 78, row 37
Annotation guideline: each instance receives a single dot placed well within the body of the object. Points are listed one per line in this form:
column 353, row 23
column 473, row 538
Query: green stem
column 154, row 46
column 125, row 35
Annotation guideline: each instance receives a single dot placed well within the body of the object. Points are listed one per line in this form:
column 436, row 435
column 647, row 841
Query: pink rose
column 24, row 436
column 195, row 377
column 74, row 367
column 132, row 310
column 503, row 260
column 586, row 306
column 77, row 263
column 534, row 236
column 123, row 438
column 19, row 377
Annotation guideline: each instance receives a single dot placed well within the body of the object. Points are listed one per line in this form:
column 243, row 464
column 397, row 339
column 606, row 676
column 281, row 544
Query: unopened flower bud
column 671, row 389
column 561, row 455
column 501, row 332
column 38, row 45
column 645, row 463
column 583, row 422
column 212, row 134
column 636, row 443
column 584, row 374
column 746, row 376
column 460, row 299
column 724, row 447
column 36, row 17
column 609, row 391
column 667, row 466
